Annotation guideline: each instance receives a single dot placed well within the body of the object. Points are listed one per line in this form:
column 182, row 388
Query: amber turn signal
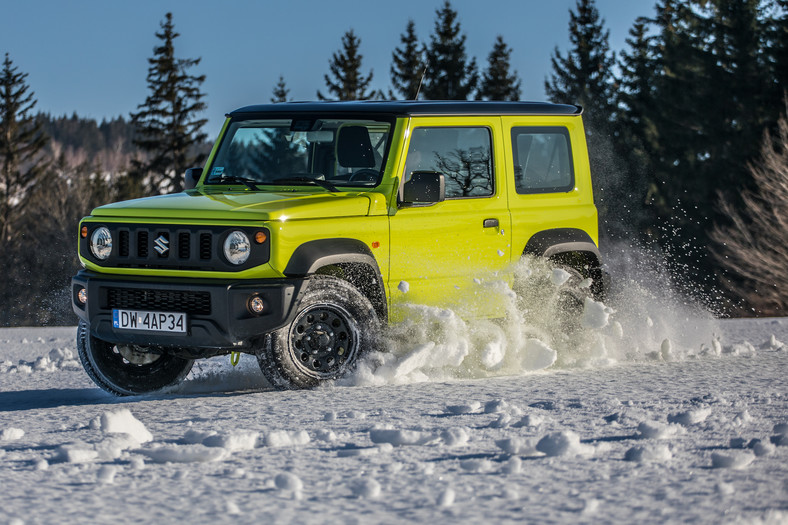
column 84, row 232
column 260, row 237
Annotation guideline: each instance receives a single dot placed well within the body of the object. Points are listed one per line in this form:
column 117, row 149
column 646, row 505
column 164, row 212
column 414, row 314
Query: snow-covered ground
column 648, row 412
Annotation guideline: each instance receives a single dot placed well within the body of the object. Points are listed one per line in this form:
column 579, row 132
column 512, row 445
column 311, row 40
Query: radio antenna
column 421, row 80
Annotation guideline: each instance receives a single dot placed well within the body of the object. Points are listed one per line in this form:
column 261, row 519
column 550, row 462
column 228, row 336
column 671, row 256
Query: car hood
column 244, row 205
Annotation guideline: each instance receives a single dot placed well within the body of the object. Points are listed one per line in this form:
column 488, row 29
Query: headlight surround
column 101, row 243
column 237, row 247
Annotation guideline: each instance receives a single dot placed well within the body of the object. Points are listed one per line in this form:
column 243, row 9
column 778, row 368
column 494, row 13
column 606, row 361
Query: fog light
column 82, row 296
column 256, row 305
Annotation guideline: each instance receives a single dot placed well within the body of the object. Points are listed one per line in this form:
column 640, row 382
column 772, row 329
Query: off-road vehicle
column 312, row 224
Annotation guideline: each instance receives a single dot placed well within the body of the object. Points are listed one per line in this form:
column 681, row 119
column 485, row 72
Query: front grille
column 184, row 245
column 174, row 247
column 205, row 246
column 142, row 243
column 194, row 303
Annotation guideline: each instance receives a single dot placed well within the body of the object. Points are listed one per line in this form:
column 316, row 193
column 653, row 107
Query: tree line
column 675, row 125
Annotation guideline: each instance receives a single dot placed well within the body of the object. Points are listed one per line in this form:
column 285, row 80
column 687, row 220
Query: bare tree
column 755, row 243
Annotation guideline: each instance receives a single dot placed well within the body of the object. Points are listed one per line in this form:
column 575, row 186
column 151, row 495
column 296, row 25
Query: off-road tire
column 334, row 326
column 107, row 367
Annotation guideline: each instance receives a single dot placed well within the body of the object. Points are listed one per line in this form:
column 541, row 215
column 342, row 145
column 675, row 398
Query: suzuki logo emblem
column 162, row 245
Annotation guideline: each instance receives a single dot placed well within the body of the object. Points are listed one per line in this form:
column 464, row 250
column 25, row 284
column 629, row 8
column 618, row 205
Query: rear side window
column 463, row 155
column 542, row 160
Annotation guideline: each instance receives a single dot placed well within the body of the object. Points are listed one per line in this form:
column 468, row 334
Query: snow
column 645, row 410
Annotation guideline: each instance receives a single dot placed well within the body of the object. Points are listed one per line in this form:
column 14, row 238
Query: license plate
column 149, row 321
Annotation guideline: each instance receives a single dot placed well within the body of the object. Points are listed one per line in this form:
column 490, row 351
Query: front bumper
column 218, row 318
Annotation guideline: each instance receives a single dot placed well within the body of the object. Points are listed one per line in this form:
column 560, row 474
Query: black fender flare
column 566, row 242
column 313, row 255
column 549, row 243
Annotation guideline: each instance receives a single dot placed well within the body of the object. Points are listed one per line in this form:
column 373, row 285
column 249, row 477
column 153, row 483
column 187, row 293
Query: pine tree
column 498, row 83
column 407, row 67
column 585, row 75
column 778, row 25
column 449, row 75
column 280, row 92
column 345, row 66
column 22, row 141
column 169, row 133
column 636, row 138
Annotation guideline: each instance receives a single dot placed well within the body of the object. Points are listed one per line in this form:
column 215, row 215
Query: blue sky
column 90, row 57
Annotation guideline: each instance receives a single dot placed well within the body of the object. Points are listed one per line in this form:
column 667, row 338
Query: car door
column 449, row 253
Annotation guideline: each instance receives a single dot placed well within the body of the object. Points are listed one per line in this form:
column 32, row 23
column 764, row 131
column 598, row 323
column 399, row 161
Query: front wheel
column 127, row 370
column 334, row 326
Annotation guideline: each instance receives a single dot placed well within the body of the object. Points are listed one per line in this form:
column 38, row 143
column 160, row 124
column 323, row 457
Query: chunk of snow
column 193, row 437
column 559, row 276
column 122, row 421
column 656, row 430
column 780, row 428
column 538, row 355
column 11, row 434
column 325, row 435
column 762, row 448
column 367, row 488
column 516, row 445
column 529, row 420
column 289, row 482
column 504, row 420
column 690, row 417
column 467, row 408
column 744, row 349
column 106, row 474
column 403, row 287
column 493, row 354
column 185, row 454
column 742, row 418
column 565, row 443
column 454, row 437
column 75, row 453
column 732, row 459
column 284, row 438
column 234, row 441
column 496, row 406
column 113, row 446
column 513, row 466
column 666, row 350
column 646, row 454
column 773, row 344
column 595, row 314
column 478, row 466
column 446, row 498
column 401, row 437
column 352, row 452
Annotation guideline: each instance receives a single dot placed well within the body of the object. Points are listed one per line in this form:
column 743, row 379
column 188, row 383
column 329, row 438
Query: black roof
column 411, row 107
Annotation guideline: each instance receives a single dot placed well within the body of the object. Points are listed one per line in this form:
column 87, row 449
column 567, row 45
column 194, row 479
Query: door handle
column 490, row 223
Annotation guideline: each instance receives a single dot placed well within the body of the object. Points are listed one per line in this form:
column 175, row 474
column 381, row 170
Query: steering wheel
column 365, row 175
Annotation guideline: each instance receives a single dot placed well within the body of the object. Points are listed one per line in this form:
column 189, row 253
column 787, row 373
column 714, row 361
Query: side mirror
column 192, row 176
column 424, row 187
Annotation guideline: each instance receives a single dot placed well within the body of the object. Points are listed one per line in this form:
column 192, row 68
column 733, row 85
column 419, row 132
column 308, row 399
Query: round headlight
column 101, row 243
column 237, row 247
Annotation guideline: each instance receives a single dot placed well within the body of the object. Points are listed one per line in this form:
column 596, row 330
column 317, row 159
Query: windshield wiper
column 308, row 180
column 249, row 183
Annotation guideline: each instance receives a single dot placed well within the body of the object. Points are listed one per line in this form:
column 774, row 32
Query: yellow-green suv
column 314, row 223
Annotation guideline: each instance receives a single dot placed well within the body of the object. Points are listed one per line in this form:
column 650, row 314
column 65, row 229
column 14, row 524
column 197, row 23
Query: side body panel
column 537, row 212
column 442, row 254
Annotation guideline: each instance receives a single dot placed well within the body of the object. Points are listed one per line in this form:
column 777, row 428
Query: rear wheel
column 127, row 370
column 334, row 326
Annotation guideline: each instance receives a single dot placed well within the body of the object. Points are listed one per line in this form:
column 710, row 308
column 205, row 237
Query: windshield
column 328, row 153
